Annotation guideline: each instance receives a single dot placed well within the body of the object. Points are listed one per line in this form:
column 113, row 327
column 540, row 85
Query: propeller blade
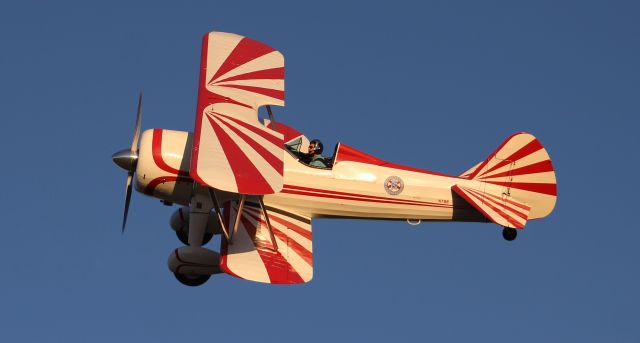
column 127, row 200
column 127, row 159
column 136, row 132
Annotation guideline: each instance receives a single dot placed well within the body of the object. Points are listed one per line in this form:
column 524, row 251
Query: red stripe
column 502, row 203
column 202, row 91
column 495, row 209
column 540, row 167
column 278, row 268
column 271, row 137
column 247, row 50
column 471, row 202
column 265, row 74
column 274, row 93
column 514, row 203
column 370, row 199
column 480, row 166
column 305, row 254
column 484, row 163
column 156, row 151
column 417, row 170
column 275, row 161
column 544, row 188
column 252, row 231
column 293, row 227
column 347, row 153
column 248, row 178
column 214, row 98
column 471, row 171
column 203, row 101
column 367, row 197
column 288, row 132
column 527, row 150
column 501, row 213
column 296, row 192
column 511, row 202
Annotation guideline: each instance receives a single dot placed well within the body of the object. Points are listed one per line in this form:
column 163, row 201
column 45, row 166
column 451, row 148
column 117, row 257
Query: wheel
column 509, row 234
column 192, row 280
column 184, row 237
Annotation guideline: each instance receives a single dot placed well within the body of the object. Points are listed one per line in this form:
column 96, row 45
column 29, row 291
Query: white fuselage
column 351, row 189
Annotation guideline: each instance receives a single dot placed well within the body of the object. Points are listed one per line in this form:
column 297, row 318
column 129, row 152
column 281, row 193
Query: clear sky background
column 435, row 85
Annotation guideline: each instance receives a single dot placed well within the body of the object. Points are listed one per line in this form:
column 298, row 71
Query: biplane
column 250, row 180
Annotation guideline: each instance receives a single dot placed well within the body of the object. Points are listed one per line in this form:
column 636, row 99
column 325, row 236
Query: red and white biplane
column 251, row 182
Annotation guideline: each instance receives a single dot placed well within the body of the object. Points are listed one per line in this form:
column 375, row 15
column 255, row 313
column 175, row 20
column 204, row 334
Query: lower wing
column 253, row 255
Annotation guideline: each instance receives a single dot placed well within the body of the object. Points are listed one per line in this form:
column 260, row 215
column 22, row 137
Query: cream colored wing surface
column 252, row 254
column 232, row 150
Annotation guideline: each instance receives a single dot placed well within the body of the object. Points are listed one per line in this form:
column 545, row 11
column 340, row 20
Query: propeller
column 127, row 159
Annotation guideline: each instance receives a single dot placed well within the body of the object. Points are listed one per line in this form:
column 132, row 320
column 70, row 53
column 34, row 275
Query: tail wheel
column 192, row 280
column 509, row 234
column 184, row 237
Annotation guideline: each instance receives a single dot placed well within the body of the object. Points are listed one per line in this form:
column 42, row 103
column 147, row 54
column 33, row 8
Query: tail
column 523, row 168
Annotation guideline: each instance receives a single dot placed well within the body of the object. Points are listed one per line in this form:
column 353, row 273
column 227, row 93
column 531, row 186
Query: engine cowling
column 163, row 163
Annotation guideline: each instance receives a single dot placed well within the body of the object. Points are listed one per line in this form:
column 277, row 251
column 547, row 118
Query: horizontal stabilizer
column 502, row 210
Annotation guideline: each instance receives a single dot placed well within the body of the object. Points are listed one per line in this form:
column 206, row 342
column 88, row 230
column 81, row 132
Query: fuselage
column 356, row 186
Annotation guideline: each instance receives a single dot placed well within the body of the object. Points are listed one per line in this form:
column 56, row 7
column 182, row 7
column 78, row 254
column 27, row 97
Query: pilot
column 314, row 158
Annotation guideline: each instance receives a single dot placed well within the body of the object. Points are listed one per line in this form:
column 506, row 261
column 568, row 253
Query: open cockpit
column 308, row 153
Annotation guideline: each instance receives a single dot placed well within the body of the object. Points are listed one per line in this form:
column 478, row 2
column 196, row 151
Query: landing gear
column 509, row 234
column 184, row 237
column 193, row 264
column 192, row 280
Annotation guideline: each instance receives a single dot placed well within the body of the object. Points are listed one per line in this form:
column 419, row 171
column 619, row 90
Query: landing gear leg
column 184, row 237
column 509, row 234
column 192, row 265
column 199, row 210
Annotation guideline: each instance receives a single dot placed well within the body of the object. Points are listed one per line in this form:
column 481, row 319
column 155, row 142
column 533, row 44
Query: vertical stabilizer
column 522, row 166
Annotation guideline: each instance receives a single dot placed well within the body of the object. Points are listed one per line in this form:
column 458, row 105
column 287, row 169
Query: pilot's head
column 315, row 147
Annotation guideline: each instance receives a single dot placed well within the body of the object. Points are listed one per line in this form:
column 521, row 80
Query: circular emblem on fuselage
column 393, row 185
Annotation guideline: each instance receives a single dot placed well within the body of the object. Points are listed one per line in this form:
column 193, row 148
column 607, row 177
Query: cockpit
column 309, row 153
column 300, row 148
column 341, row 163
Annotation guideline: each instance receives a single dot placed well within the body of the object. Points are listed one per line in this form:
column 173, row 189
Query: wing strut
column 212, row 193
column 266, row 218
column 237, row 221
column 263, row 209
column 273, row 121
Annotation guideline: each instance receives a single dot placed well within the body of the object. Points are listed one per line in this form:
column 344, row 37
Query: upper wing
column 252, row 256
column 232, row 150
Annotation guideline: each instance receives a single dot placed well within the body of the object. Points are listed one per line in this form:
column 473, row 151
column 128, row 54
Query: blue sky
column 435, row 85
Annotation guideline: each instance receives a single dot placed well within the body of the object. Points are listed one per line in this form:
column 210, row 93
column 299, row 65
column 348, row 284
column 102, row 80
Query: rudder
column 523, row 166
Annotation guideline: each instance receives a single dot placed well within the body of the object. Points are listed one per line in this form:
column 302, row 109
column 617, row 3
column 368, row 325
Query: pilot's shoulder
column 318, row 161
